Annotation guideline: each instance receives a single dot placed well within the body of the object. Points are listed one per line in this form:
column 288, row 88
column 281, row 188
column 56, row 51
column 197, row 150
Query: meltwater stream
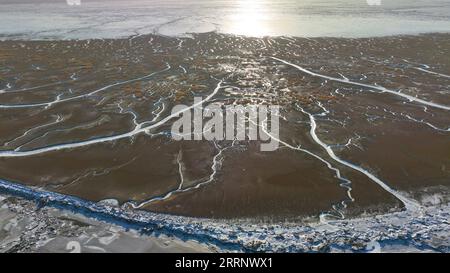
column 409, row 204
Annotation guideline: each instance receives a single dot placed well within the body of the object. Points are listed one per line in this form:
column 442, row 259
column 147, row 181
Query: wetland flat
column 364, row 123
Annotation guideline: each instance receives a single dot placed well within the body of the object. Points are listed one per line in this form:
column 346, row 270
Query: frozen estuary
column 86, row 93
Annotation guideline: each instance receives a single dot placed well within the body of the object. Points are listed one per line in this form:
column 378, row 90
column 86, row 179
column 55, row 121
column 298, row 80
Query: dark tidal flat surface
column 380, row 105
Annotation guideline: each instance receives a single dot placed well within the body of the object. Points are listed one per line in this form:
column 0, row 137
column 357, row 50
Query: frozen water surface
column 47, row 19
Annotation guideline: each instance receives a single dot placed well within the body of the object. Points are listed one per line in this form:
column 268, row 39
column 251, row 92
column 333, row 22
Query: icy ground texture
column 426, row 230
column 53, row 19
column 25, row 228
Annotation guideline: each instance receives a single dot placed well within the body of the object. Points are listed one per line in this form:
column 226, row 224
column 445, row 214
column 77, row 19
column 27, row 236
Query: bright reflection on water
column 250, row 18
column 306, row 18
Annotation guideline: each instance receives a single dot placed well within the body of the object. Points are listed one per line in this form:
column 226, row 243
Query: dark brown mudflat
column 404, row 143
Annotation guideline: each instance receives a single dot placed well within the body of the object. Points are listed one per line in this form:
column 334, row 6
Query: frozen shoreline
column 24, row 228
column 424, row 231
